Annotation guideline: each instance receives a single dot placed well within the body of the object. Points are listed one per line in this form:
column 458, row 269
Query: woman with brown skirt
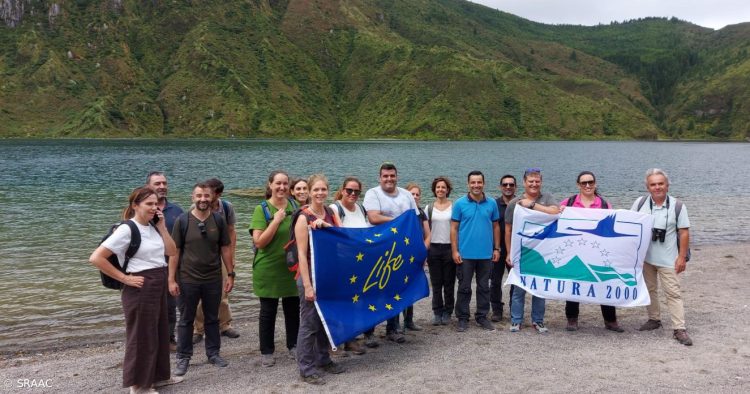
column 144, row 294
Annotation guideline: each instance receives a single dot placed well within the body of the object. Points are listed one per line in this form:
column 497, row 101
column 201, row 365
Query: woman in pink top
column 588, row 197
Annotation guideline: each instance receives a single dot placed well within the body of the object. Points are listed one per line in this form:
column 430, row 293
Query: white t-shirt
column 392, row 206
column 149, row 255
column 441, row 225
column 351, row 219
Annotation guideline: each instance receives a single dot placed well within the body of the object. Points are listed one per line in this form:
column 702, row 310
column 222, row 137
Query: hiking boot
column 446, row 319
column 613, row 326
column 313, row 379
column 486, row 324
column 682, row 337
column 333, row 368
column 462, row 325
column 370, row 341
column 395, row 336
column 197, row 338
column 650, row 325
column 572, row 324
column 267, row 360
column 182, row 366
column 515, row 327
column 411, row 326
column 540, row 328
column 496, row 317
column 292, row 353
column 230, row 333
column 218, row 361
column 437, row 320
column 170, row 381
column 355, row 347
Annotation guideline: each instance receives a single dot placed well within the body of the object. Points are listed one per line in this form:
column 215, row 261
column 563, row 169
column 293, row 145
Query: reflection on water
column 58, row 198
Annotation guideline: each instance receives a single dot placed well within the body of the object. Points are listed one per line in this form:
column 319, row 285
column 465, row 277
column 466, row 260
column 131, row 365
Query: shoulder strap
column 641, row 202
column 220, row 222
column 605, row 204
column 362, row 208
column 571, row 200
column 340, row 209
column 293, row 202
column 329, row 211
column 266, row 211
column 183, row 219
column 135, row 243
column 225, row 207
column 429, row 212
column 677, row 210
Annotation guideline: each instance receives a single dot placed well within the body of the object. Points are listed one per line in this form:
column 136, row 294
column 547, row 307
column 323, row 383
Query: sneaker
column 292, row 353
column 230, row 333
column 142, row 390
column 182, row 366
column 650, row 325
column 355, row 347
column 371, row 342
column 572, row 324
column 197, row 338
column 462, row 325
column 218, row 361
column 486, row 324
column 682, row 337
column 170, row 381
column 515, row 327
column 411, row 326
column 496, row 317
column 613, row 327
column 395, row 336
column 437, row 320
column 267, row 360
column 446, row 318
column 313, row 379
column 333, row 368
column 540, row 328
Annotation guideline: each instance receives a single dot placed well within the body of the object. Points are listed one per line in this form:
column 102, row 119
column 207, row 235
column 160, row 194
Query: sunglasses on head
column 356, row 192
column 532, row 170
column 587, row 183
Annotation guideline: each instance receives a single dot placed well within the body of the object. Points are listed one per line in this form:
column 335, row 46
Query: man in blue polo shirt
column 475, row 244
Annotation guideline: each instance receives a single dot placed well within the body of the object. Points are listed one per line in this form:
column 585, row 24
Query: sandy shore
column 439, row 359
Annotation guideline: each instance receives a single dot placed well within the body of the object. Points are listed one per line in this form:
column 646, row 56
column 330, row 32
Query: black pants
column 267, row 322
column 496, row 286
column 171, row 315
column 442, row 278
column 608, row 312
column 190, row 294
column 466, row 272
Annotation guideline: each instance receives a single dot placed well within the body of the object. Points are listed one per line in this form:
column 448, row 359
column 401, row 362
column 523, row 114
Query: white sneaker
column 540, row 328
column 515, row 327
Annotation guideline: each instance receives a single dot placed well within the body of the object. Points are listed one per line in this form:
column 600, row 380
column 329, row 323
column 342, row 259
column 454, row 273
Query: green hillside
column 360, row 69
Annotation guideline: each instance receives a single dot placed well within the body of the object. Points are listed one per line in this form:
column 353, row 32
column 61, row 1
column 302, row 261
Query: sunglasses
column 508, row 184
column 356, row 192
column 587, row 183
column 202, row 227
column 532, row 170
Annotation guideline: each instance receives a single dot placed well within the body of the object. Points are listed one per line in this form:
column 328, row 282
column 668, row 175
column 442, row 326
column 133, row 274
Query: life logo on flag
column 583, row 255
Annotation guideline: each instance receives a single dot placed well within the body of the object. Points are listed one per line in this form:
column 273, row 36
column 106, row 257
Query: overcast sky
column 708, row 13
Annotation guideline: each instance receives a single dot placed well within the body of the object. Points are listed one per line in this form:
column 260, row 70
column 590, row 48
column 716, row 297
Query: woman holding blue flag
column 588, row 197
column 271, row 278
column 312, row 342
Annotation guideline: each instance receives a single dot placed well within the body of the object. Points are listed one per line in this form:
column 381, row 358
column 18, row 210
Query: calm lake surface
column 59, row 197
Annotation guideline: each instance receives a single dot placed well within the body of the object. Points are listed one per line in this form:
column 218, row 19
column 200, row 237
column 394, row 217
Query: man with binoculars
column 668, row 253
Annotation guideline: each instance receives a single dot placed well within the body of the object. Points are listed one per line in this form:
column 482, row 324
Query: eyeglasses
column 508, row 184
column 587, row 183
column 356, row 192
column 202, row 227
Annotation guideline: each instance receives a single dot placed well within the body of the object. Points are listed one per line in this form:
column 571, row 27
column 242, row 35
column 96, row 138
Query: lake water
column 58, row 198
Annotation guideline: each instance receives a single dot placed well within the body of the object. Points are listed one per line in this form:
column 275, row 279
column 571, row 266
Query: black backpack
column 135, row 243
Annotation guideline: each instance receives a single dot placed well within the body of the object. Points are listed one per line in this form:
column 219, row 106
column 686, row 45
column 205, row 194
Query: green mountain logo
column 533, row 263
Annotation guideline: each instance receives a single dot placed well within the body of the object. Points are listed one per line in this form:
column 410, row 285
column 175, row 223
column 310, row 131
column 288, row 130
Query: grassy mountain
column 359, row 69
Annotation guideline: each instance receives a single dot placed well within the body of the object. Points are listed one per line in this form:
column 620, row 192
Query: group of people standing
column 190, row 256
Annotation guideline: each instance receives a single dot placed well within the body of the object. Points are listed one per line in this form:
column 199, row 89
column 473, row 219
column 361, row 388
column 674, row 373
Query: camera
column 658, row 233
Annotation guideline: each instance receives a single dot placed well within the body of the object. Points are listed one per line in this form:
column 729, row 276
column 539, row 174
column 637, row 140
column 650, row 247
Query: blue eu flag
column 363, row 276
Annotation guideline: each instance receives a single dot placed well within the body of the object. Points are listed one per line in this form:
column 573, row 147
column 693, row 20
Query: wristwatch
column 231, row 274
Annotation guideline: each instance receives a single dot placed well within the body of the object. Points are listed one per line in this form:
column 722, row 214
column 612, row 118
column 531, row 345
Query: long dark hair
column 340, row 193
column 136, row 197
column 596, row 188
column 270, row 180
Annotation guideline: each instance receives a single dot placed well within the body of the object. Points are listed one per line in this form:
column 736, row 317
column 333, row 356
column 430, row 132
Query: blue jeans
column 517, row 304
column 187, row 302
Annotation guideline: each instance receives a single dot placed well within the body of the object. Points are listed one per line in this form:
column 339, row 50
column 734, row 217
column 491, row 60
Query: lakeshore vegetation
column 432, row 69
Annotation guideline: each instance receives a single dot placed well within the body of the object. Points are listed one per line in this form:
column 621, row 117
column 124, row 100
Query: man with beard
column 203, row 243
column 383, row 204
column 475, row 244
column 157, row 181
column 507, row 188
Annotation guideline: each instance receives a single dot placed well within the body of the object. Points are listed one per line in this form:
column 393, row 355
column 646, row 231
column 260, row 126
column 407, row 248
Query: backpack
column 342, row 212
column 267, row 210
column 572, row 200
column 677, row 210
column 135, row 243
column 183, row 219
column 290, row 248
